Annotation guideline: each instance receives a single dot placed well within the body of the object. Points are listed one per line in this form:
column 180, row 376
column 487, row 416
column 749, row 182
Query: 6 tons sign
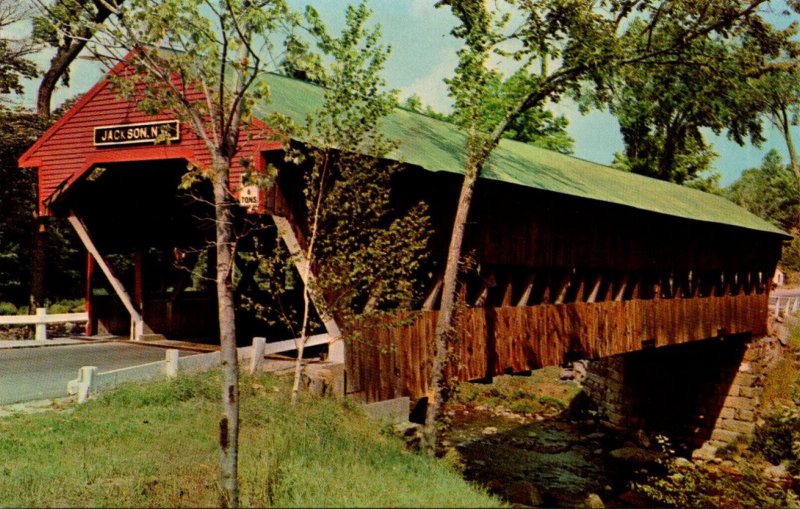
column 129, row 134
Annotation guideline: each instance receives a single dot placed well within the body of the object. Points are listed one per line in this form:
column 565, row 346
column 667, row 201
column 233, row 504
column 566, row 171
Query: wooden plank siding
column 393, row 362
column 516, row 226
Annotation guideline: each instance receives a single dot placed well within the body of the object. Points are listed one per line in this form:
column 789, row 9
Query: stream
column 547, row 461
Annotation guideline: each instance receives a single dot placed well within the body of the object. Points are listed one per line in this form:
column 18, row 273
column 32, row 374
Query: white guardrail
column 784, row 305
column 41, row 319
column 90, row 380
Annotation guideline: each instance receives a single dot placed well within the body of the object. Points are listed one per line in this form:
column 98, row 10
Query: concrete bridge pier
column 702, row 395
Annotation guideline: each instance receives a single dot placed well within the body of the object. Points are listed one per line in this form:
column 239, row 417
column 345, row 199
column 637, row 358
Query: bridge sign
column 144, row 133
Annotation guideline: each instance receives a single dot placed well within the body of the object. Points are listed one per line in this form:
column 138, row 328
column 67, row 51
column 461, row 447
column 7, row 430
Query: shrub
column 7, row 308
column 778, row 439
column 67, row 306
column 703, row 486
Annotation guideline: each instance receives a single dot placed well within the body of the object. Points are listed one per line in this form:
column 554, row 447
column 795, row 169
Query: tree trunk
column 444, row 324
column 38, row 263
column 229, row 423
column 479, row 147
column 44, row 96
column 787, row 135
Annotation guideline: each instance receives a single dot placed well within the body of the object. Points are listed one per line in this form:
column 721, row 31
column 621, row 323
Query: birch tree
column 201, row 60
column 365, row 255
column 561, row 46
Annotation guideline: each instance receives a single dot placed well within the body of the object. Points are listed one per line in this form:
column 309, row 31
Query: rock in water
column 593, row 501
column 642, row 439
column 489, row 430
column 525, row 493
column 682, row 463
column 635, row 455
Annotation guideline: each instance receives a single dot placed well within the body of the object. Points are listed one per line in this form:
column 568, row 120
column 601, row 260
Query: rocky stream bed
column 547, row 460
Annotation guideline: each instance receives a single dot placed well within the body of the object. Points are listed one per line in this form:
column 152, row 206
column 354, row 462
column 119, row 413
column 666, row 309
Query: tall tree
column 17, row 201
column 769, row 191
column 207, row 71
column 537, row 126
column 15, row 53
column 19, row 128
column 575, row 42
column 663, row 108
column 67, row 26
column 778, row 93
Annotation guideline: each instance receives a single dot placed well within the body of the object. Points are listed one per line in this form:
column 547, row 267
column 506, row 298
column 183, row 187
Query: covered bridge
column 575, row 259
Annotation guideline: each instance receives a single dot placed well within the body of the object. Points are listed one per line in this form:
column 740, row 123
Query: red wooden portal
column 114, row 171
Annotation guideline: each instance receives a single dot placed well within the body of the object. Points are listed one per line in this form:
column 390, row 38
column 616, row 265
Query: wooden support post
column 258, row 354
column 622, row 286
column 336, row 351
column 721, row 284
column 595, row 289
column 562, row 289
column 508, row 293
column 636, row 293
column 656, row 287
column 609, row 295
column 138, row 284
column 694, row 284
column 526, row 293
column 89, row 274
column 433, row 296
column 581, row 286
column 546, row 292
column 137, row 323
column 483, row 296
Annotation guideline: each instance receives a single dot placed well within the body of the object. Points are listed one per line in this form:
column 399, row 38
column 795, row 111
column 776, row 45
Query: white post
column 85, row 379
column 41, row 324
column 336, row 346
column 172, row 363
column 137, row 322
column 336, row 350
column 258, row 354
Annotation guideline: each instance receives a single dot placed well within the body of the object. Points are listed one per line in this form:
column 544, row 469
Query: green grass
column 542, row 392
column 155, row 446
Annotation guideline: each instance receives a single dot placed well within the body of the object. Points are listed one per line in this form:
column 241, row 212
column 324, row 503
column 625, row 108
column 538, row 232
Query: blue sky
column 423, row 54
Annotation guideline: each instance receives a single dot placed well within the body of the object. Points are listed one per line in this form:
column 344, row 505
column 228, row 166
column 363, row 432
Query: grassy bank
column 155, row 445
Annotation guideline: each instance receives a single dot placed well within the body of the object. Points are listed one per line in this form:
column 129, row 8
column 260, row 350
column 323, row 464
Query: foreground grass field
column 155, row 446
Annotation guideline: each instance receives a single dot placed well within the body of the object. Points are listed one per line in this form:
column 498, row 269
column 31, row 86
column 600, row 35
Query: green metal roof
column 439, row 146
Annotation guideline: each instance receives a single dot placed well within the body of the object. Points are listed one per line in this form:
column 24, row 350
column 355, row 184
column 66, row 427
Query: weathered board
column 390, row 362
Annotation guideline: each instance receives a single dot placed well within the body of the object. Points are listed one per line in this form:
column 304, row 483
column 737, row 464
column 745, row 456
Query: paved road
column 28, row 374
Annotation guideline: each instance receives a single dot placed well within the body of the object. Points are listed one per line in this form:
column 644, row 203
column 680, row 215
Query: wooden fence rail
column 784, row 305
column 389, row 362
column 41, row 319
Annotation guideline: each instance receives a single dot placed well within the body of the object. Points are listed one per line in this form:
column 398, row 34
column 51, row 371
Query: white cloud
column 431, row 87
